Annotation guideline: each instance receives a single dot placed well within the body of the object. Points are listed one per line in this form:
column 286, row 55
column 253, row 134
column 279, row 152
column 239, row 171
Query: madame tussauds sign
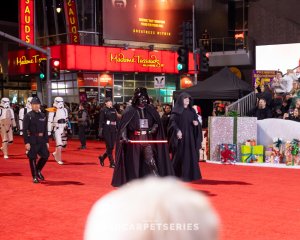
column 152, row 61
column 26, row 20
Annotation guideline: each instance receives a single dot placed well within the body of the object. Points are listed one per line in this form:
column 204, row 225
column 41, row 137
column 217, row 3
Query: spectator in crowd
column 219, row 109
column 265, row 93
column 82, row 119
column 166, row 117
column 280, row 108
column 277, row 84
column 160, row 110
column 198, row 111
column 262, row 111
column 295, row 91
column 293, row 115
column 289, row 78
column 172, row 212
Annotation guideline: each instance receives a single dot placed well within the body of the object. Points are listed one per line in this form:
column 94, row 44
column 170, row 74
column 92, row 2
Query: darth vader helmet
column 140, row 97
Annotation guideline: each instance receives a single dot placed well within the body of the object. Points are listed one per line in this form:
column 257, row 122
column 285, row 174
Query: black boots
column 36, row 169
column 40, row 176
column 35, row 180
column 111, row 160
column 102, row 158
column 33, row 168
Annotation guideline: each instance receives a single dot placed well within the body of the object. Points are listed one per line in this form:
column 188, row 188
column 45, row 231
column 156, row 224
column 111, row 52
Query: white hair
column 152, row 209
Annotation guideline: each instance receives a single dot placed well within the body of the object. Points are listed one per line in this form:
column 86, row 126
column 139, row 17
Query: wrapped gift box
column 269, row 158
column 231, row 130
column 228, row 153
column 252, row 153
column 291, row 153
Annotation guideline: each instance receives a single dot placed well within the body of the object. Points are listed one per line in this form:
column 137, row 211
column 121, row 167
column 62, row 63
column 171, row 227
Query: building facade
column 106, row 48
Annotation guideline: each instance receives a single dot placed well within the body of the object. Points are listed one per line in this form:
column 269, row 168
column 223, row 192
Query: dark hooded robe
column 185, row 151
column 130, row 162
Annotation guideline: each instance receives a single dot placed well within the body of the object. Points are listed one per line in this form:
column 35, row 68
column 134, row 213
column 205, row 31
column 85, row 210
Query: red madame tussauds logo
column 152, row 61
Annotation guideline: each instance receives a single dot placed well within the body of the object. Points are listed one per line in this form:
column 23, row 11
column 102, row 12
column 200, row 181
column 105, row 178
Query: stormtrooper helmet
column 58, row 102
column 28, row 103
column 5, row 102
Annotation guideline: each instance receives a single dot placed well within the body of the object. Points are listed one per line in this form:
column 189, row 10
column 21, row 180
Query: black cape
column 126, row 168
column 185, row 151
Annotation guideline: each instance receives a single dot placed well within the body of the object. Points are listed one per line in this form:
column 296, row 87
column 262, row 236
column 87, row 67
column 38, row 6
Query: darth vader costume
column 140, row 122
column 185, row 148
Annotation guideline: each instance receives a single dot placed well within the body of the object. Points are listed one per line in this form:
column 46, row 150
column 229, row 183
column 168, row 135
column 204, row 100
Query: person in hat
column 140, row 150
column 7, row 123
column 36, row 139
column 107, row 131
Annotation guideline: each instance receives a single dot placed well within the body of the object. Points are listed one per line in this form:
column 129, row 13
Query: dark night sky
column 9, row 11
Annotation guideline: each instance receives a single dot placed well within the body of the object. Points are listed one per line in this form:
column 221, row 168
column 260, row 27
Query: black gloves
column 154, row 129
column 124, row 138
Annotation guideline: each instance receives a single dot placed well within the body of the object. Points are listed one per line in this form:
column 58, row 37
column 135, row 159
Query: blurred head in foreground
column 153, row 209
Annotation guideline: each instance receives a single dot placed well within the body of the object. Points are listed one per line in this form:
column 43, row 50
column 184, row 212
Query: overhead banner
column 72, row 21
column 26, row 21
column 154, row 21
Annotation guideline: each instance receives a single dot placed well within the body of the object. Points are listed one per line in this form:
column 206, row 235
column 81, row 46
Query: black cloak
column 185, row 151
column 126, row 168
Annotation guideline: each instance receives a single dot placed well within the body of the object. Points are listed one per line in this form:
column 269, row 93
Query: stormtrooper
column 7, row 123
column 23, row 112
column 58, row 123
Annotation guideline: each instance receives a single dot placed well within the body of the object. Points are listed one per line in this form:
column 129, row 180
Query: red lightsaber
column 148, row 141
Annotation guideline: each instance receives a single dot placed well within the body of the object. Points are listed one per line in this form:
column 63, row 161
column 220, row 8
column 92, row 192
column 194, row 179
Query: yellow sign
column 152, row 61
column 23, row 60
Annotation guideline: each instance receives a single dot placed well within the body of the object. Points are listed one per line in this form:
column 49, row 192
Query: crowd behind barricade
column 278, row 99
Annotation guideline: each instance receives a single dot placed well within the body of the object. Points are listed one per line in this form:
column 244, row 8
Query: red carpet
column 253, row 203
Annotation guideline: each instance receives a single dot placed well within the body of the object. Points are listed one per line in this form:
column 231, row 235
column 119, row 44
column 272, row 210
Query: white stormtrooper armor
column 22, row 113
column 58, row 122
column 7, row 122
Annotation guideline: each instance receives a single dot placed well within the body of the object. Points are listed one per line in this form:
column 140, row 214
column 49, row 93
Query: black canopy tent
column 224, row 85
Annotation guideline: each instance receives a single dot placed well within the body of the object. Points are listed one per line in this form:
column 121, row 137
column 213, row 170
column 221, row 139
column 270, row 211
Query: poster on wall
column 154, row 21
column 88, row 94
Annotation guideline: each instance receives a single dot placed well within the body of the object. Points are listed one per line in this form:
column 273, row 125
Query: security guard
column 108, row 130
column 35, row 134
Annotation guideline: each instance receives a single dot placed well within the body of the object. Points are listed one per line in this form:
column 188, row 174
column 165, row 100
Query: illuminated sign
column 106, row 80
column 154, row 21
column 23, row 60
column 26, row 20
column 152, row 61
column 96, row 58
column 185, row 82
column 72, row 21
